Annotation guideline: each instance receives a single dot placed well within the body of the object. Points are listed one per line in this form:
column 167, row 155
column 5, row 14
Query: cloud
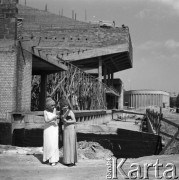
column 150, row 45
column 173, row 3
column 144, row 13
column 171, row 44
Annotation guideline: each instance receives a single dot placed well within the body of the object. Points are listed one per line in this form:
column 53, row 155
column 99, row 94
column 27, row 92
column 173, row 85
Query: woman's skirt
column 50, row 144
column 69, row 144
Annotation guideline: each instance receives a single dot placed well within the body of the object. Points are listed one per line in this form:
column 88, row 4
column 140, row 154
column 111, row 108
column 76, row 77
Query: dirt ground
column 19, row 165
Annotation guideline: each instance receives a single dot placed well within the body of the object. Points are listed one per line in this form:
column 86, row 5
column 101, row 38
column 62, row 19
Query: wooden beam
column 128, row 112
column 91, row 71
column 168, row 135
column 168, row 144
column 170, row 122
column 66, row 96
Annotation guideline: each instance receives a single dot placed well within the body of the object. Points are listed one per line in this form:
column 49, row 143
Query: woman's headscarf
column 49, row 102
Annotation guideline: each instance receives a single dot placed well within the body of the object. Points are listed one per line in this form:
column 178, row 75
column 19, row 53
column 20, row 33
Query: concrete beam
column 90, row 71
column 97, row 52
column 28, row 46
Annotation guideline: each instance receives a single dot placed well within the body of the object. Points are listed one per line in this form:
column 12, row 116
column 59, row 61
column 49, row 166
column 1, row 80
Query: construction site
column 47, row 55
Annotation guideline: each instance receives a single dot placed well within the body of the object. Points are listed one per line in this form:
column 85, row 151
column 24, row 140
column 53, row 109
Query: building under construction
column 43, row 54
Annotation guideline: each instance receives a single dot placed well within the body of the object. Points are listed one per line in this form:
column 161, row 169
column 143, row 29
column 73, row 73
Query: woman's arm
column 49, row 117
column 72, row 120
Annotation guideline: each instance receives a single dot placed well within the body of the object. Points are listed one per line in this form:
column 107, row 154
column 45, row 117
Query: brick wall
column 8, row 13
column 8, row 58
column 24, row 77
column 7, row 82
column 15, row 66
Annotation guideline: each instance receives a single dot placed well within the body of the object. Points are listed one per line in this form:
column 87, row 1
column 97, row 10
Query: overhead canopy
column 40, row 66
column 43, row 63
column 115, row 62
column 77, row 42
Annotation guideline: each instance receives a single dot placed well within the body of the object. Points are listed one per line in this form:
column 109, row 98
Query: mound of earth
column 86, row 150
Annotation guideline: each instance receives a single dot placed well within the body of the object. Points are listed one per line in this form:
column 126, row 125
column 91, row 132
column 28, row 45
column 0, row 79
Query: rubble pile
column 92, row 150
column 86, row 150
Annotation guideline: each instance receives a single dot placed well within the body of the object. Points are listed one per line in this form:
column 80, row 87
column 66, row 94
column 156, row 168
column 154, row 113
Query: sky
column 154, row 30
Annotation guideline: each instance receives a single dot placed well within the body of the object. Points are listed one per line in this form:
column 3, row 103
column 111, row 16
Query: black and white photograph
column 89, row 90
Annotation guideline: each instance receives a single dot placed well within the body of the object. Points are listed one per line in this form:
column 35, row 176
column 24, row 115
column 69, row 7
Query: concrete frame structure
column 99, row 51
column 22, row 55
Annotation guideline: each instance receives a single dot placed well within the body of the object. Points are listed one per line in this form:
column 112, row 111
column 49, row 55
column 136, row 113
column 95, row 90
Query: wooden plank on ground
column 168, row 135
column 170, row 122
column 174, row 137
column 128, row 112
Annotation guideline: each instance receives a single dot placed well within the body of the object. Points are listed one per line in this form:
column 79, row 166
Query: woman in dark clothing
column 69, row 136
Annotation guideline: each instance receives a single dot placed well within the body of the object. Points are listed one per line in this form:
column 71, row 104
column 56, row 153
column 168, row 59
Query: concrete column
column 24, row 78
column 105, row 73
column 150, row 96
column 108, row 80
column 135, row 100
column 161, row 102
column 148, row 99
column 142, row 100
column 157, row 100
column 135, row 105
column 138, row 97
column 121, row 98
column 131, row 100
column 43, row 92
column 100, row 69
column 111, row 79
column 152, row 99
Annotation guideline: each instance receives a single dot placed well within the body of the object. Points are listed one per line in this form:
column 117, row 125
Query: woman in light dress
column 69, row 136
column 50, row 134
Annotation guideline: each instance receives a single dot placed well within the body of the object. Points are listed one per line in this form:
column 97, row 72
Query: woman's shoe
column 45, row 162
column 53, row 164
column 72, row 164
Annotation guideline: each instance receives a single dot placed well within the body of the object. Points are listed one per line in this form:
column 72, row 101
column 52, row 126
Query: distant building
column 146, row 98
column 173, row 98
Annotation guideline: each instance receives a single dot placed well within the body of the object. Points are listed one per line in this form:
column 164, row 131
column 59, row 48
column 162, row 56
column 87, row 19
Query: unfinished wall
column 8, row 58
column 15, row 64
column 8, row 82
column 24, row 76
